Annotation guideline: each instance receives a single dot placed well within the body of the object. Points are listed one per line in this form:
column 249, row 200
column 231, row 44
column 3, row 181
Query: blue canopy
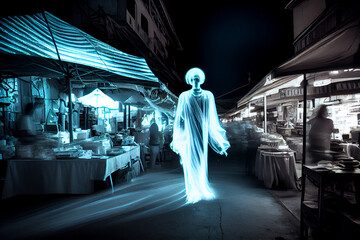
column 44, row 45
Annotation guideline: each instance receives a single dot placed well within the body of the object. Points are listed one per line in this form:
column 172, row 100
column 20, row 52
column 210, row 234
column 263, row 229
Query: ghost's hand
column 223, row 152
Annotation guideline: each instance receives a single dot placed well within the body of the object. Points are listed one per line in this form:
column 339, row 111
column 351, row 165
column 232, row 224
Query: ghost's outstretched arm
column 179, row 135
column 217, row 135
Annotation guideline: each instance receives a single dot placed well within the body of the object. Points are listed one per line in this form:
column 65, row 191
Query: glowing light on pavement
column 144, row 196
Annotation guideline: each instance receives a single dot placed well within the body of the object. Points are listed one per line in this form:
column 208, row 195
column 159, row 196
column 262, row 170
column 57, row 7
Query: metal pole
column 125, row 117
column 302, row 227
column 4, row 114
column 265, row 115
column 120, row 109
column 4, row 119
column 129, row 116
column 86, row 111
column 70, row 110
column 304, row 119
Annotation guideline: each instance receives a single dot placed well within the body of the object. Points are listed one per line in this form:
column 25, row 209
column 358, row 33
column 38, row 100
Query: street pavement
column 153, row 206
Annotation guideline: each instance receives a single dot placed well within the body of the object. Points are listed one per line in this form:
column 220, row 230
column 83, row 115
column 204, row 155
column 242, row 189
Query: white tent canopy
column 99, row 99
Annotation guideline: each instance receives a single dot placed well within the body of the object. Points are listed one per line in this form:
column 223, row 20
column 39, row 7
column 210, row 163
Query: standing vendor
column 320, row 131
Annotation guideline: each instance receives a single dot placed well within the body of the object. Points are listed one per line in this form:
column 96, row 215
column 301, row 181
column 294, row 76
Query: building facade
column 314, row 19
column 138, row 27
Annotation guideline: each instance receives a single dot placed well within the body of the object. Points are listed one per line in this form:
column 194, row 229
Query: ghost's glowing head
column 195, row 76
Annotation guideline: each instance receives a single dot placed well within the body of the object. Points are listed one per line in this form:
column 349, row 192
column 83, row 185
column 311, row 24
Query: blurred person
column 319, row 139
column 154, row 143
column 25, row 125
column 62, row 115
column 168, row 136
column 320, row 129
column 197, row 124
column 259, row 120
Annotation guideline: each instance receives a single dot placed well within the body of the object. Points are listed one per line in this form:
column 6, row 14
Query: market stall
column 66, row 174
column 76, row 138
column 318, row 116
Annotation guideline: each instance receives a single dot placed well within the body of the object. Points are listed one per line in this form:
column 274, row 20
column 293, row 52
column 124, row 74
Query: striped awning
column 43, row 44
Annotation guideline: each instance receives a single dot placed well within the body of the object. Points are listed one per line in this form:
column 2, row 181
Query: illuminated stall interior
column 114, row 98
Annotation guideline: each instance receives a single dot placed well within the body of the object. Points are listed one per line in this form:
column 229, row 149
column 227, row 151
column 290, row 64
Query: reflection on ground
column 144, row 196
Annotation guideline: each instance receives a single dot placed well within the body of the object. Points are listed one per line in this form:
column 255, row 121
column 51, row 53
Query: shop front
column 310, row 105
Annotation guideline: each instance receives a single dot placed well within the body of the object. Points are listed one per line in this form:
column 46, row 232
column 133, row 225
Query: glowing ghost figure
column 197, row 124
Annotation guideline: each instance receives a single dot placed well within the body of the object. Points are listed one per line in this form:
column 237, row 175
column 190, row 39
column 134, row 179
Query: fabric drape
column 197, row 124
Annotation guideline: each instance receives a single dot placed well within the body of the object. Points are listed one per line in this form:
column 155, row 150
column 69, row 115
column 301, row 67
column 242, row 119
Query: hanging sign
column 291, row 92
column 346, row 86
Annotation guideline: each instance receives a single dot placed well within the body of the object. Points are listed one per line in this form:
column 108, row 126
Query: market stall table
column 270, row 142
column 70, row 176
column 323, row 176
column 347, row 147
column 296, row 144
column 276, row 167
column 285, row 131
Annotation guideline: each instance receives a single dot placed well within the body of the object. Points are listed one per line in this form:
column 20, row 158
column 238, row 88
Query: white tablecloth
column 275, row 168
column 72, row 176
column 296, row 144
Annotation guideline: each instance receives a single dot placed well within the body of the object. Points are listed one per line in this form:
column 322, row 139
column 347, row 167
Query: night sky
column 230, row 38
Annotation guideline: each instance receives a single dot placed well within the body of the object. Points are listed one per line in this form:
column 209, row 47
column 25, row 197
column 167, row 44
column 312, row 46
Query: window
column 131, row 7
column 144, row 23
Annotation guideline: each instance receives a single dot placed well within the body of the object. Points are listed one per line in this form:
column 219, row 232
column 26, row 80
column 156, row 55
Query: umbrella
column 99, row 99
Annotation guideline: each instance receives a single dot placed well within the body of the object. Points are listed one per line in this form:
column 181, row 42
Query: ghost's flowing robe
column 197, row 124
